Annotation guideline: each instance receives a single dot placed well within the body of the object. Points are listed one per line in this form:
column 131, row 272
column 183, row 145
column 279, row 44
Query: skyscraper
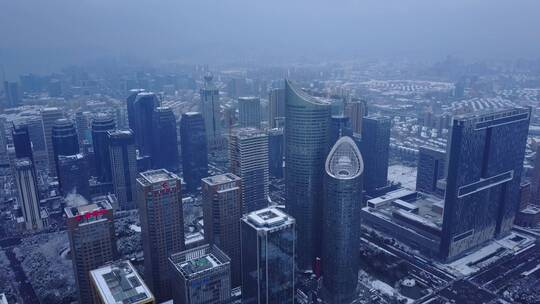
column 248, row 153
column 485, row 162
column 64, row 139
column 356, row 110
column 82, row 127
column 130, row 105
column 13, row 93
column 3, row 141
column 306, row 146
column 276, row 107
column 25, row 178
column 159, row 200
column 194, row 149
column 339, row 126
column 222, row 210
column 210, row 109
column 21, row 141
column 341, row 226
column 143, row 112
column 92, row 242
column 431, row 164
column 165, row 140
column 276, row 152
column 535, row 185
column 73, row 175
column 100, row 125
column 123, row 156
column 249, row 111
column 375, row 147
column 201, row 276
column 48, row 118
column 119, row 282
column 268, row 253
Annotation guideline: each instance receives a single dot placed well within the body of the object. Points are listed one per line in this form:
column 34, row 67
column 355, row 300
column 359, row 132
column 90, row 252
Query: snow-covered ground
column 505, row 246
column 403, row 174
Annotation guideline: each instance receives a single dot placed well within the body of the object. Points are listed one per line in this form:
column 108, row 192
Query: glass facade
column 431, row 164
column 306, row 146
column 194, row 149
column 375, row 145
column 485, row 162
column 100, row 125
column 268, row 264
column 165, row 146
column 341, row 225
column 143, row 109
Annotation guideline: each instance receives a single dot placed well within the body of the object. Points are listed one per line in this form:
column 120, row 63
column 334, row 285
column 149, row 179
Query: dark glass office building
column 73, row 175
column 165, row 146
column 431, row 165
column 375, row 145
column 276, row 152
column 340, row 126
column 100, row 125
column 268, row 252
column 341, row 225
column 123, row 156
column 306, row 147
column 130, row 102
column 194, row 149
column 21, row 141
column 64, row 139
column 143, row 112
column 485, row 163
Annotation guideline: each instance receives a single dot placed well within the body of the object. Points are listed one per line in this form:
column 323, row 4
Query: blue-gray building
column 431, row 166
column 130, row 106
column 100, row 125
column 194, row 149
column 306, row 147
column 341, row 225
column 340, row 126
column 276, row 152
column 268, row 251
column 21, row 141
column 165, row 140
column 375, row 148
column 64, row 140
column 143, row 112
column 73, row 175
column 485, row 162
column 123, row 156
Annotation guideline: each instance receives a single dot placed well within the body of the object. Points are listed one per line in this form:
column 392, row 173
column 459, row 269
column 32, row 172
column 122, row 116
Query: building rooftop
column 198, row 260
column 120, row 283
column 248, row 132
column 93, row 209
column 156, row 176
column 220, row 179
column 268, row 218
column 344, row 160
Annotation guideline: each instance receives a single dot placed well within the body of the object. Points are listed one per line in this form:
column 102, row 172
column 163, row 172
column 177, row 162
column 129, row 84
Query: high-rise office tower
column 143, row 112
column 3, row 141
column 356, row 110
column 48, row 118
column 101, row 124
column 159, row 200
column 248, row 153
column 535, row 182
column 73, row 175
column 249, row 111
column 210, row 109
column 130, row 105
column 306, row 146
column 21, row 141
column 339, row 126
column 485, row 162
column 13, row 93
column 201, row 276
column 268, row 257
column 25, row 178
column 81, row 122
column 123, row 156
column 341, row 226
column 276, row 152
column 39, row 149
column 222, row 210
column 375, row 147
column 92, row 242
column 165, row 140
column 431, row 165
column 194, row 149
column 119, row 282
column 64, row 139
column 276, row 107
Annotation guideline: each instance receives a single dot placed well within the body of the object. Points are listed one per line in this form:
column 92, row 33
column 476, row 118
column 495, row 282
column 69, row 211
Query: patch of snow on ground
column 135, row 228
column 403, row 174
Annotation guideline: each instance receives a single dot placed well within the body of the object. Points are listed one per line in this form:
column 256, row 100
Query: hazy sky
column 46, row 34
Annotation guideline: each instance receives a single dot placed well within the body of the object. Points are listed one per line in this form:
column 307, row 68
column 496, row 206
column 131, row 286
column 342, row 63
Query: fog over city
column 44, row 35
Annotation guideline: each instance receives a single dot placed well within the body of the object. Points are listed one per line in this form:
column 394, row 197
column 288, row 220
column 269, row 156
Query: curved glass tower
column 341, row 226
column 100, row 125
column 306, row 145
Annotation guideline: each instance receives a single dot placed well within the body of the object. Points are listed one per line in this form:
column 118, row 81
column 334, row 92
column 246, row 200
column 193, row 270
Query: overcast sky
column 46, row 34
